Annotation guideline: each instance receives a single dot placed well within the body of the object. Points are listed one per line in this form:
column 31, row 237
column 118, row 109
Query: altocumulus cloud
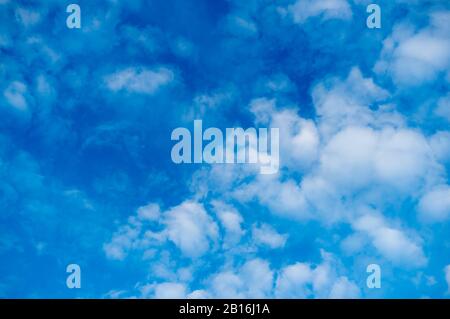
column 364, row 148
column 350, row 165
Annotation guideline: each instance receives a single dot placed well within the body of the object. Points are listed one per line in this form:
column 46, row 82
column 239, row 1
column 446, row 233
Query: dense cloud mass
column 85, row 149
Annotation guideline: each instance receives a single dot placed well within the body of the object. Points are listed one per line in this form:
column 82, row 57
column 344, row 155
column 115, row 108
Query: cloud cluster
column 187, row 226
column 403, row 55
column 256, row 279
column 86, row 117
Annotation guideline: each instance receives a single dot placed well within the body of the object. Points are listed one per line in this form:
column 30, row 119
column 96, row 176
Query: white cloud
column 253, row 280
column 403, row 159
column 190, row 228
column 256, row 279
column 231, row 220
column 392, row 243
column 227, row 285
column 416, row 57
column 342, row 103
column 303, row 280
column 364, row 147
column 205, row 103
column 199, row 294
column 187, row 225
column 125, row 239
column 267, row 236
column 166, row 290
column 283, row 198
column 293, row 281
column 344, row 289
column 434, row 206
column 357, row 145
column 353, row 244
column 360, row 157
column 302, row 10
column 299, row 140
column 262, row 108
column 440, row 144
column 149, row 212
column 139, row 80
column 356, row 159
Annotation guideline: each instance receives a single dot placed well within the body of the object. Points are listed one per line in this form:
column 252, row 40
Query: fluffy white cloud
column 344, row 289
column 151, row 212
column 187, row 225
column 434, row 206
column 231, row 220
column 166, row 290
column 356, row 159
column 227, row 285
column 191, row 228
column 358, row 146
column 359, row 157
column 139, row 80
column 299, row 137
column 353, row 244
column 128, row 237
column 303, row 280
column 256, row 279
column 392, row 243
column 283, row 198
column 253, row 280
column 293, row 281
column 262, row 109
column 403, row 159
column 415, row 57
column 203, row 104
column 359, row 152
column 341, row 103
column 267, row 236
column 440, row 144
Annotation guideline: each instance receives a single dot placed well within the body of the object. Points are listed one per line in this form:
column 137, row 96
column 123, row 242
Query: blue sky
column 86, row 117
